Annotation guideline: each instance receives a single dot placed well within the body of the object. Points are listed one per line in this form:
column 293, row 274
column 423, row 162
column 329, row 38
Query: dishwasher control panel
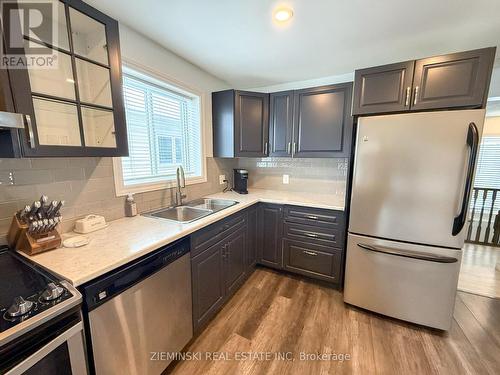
column 107, row 286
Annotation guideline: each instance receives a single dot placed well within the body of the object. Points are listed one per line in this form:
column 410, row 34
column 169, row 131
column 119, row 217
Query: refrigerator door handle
column 408, row 254
column 472, row 144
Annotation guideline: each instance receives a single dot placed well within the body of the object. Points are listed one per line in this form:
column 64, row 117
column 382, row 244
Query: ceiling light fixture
column 283, row 14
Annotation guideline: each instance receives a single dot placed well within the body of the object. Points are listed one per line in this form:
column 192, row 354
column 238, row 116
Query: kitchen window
column 164, row 131
column 488, row 165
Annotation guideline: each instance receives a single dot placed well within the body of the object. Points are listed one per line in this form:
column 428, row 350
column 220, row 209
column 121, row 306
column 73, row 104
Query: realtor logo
column 29, row 28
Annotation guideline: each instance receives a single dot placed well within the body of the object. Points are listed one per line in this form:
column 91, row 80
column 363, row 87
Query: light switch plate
column 222, row 178
column 286, row 179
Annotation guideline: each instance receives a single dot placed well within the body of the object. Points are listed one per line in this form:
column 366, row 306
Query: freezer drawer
column 409, row 175
column 409, row 282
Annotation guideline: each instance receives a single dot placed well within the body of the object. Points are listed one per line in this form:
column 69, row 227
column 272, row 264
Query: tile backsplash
column 307, row 175
column 87, row 186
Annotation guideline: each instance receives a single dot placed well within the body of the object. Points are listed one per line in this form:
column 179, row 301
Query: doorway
column 480, row 271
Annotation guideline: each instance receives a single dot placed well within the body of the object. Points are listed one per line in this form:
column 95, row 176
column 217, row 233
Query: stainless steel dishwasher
column 139, row 313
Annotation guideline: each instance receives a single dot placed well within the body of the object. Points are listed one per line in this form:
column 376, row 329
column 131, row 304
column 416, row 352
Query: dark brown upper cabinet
column 240, row 121
column 454, row 80
column 383, row 88
column 76, row 108
column 440, row 82
column 281, row 123
column 322, row 121
column 311, row 123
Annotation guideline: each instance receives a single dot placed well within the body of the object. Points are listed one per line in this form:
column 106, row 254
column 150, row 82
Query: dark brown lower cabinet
column 235, row 260
column 220, row 269
column 305, row 241
column 207, row 273
column 252, row 236
column 313, row 243
column 269, row 234
column 312, row 260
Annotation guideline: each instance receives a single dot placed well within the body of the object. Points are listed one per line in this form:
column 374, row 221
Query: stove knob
column 52, row 292
column 20, row 307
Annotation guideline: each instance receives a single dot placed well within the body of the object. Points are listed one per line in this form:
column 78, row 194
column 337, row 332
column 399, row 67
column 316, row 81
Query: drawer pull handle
column 408, row 254
column 312, row 253
column 312, row 217
column 31, row 134
column 311, row 235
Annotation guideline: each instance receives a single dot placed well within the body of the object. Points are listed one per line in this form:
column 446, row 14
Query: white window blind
column 164, row 131
column 487, row 177
column 488, row 164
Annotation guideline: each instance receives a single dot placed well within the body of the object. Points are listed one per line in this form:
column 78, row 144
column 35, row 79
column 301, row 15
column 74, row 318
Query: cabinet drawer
column 310, row 233
column 214, row 233
column 314, row 216
column 312, row 260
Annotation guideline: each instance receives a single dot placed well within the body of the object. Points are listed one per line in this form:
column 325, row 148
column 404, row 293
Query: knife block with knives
column 34, row 229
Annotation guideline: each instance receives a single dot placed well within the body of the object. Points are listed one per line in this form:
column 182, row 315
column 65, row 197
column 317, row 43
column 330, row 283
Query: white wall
column 495, row 79
column 140, row 52
column 341, row 78
column 492, row 126
column 347, row 77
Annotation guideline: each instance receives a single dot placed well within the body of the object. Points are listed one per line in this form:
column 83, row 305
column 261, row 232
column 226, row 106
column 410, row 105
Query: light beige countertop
column 127, row 239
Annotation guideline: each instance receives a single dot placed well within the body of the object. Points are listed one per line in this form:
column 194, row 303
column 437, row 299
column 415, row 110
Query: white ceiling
column 237, row 41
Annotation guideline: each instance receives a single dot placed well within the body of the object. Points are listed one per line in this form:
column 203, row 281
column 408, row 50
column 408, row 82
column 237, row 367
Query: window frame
column 169, row 83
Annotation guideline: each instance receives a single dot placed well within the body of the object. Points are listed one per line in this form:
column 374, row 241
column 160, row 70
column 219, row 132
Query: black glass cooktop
column 20, row 278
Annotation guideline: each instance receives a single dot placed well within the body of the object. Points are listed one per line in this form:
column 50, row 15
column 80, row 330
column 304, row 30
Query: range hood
column 10, row 120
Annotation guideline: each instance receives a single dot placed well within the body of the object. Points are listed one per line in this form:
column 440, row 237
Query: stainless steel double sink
column 193, row 210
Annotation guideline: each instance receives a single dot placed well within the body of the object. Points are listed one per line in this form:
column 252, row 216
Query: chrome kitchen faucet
column 181, row 183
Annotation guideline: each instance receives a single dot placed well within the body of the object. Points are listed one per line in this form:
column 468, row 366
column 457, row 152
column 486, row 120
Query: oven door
column 65, row 354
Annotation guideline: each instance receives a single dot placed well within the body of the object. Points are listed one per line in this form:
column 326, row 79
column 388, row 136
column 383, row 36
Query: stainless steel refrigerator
column 411, row 186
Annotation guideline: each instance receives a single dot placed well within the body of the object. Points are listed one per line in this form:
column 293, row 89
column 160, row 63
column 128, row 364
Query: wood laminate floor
column 279, row 313
column 479, row 273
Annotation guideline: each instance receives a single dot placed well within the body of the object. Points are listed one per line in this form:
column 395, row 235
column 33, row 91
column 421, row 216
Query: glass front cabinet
column 72, row 95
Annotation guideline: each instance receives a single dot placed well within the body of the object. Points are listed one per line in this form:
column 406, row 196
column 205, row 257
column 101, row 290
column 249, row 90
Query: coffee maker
column 240, row 181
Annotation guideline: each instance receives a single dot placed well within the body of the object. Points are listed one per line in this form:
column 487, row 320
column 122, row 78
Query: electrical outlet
column 286, row 179
column 222, row 179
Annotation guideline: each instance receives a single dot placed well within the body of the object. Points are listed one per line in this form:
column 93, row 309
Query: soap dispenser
column 130, row 206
